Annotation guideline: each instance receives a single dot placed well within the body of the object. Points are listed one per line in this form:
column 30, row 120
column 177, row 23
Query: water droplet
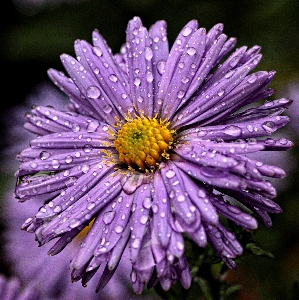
column 68, row 159
column 33, row 165
column 180, row 245
column 143, row 219
column 161, row 66
column 140, row 99
column 93, row 92
column 181, row 198
column 170, row 173
column 250, row 128
column 149, row 76
column 107, row 109
column 185, row 80
column 74, row 223
column 232, row 131
column 136, row 243
column 268, row 126
column 112, row 77
column 186, row 31
column 133, row 275
column 75, row 128
column 90, row 205
column 85, row 168
column 148, row 53
column 137, row 81
column 43, row 209
column 220, row 92
column 181, row 65
column 252, row 78
column 55, row 164
column 97, row 51
column 119, row 229
column 181, row 94
column 191, row 51
column 57, row 209
column 229, row 74
column 147, row 202
column 108, row 217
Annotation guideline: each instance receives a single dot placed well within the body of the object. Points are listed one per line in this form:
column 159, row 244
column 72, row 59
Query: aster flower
column 10, row 289
column 152, row 143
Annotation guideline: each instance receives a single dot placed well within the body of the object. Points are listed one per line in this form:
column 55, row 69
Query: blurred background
column 34, row 33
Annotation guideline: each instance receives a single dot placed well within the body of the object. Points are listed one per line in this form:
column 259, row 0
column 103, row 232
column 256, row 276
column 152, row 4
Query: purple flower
column 153, row 142
column 11, row 289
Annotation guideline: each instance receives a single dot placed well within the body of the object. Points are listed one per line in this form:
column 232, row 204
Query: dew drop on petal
column 143, row 219
column 186, row 31
column 108, row 217
column 147, row 202
column 252, row 78
column 135, row 244
column 90, row 205
column 140, row 99
column 44, row 155
column 93, row 92
column 57, row 209
column 137, row 81
column 181, row 198
column 133, row 274
column 119, row 229
column 191, row 51
column 68, row 159
column 170, row 173
column 55, row 164
column 97, row 51
column 220, row 92
column 74, row 223
column 113, row 78
column 107, row 109
column 232, row 131
column 180, row 246
column 161, row 66
column 148, row 53
column 269, row 127
column 33, row 165
column 181, row 94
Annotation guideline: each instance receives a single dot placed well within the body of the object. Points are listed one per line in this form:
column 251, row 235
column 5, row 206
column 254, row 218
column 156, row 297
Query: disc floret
column 143, row 142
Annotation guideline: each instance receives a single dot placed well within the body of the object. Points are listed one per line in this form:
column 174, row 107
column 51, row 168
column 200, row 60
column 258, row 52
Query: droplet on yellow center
column 142, row 142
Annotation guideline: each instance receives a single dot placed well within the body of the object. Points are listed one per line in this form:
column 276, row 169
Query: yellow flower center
column 143, row 142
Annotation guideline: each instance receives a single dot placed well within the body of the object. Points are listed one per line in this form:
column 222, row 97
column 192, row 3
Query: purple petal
column 140, row 71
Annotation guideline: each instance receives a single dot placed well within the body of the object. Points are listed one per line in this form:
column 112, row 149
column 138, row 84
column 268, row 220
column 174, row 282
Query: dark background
column 33, row 37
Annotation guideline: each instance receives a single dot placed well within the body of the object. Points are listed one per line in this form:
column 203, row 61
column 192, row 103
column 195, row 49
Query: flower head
column 153, row 142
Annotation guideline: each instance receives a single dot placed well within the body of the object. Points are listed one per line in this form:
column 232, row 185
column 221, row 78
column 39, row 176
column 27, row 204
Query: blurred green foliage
column 33, row 39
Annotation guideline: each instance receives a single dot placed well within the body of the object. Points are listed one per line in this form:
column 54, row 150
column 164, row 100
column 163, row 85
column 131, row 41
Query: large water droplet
column 186, row 31
column 147, row 202
column 108, row 217
column 74, row 223
column 170, row 173
column 93, row 92
column 161, row 66
column 107, row 109
column 191, row 51
column 148, row 53
column 119, row 229
column 269, row 126
column 44, row 155
column 232, row 131
column 97, row 51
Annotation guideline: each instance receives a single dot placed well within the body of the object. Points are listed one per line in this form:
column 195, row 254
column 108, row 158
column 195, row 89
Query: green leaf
column 256, row 250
